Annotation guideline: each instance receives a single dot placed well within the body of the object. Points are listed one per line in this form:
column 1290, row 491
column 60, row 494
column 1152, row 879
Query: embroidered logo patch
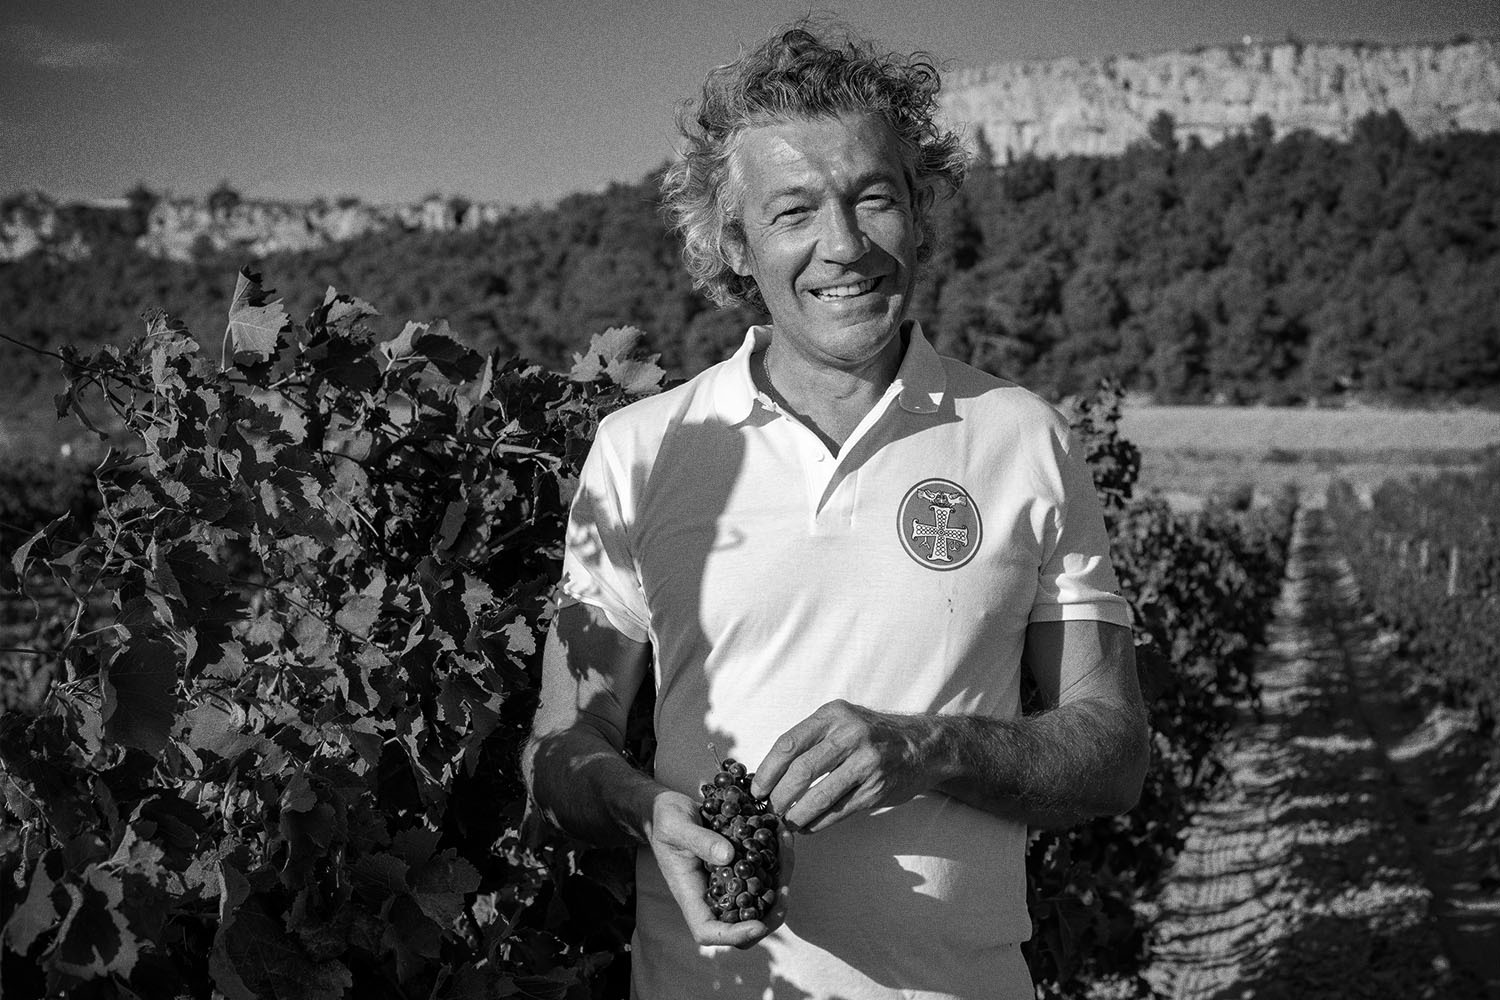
column 939, row 524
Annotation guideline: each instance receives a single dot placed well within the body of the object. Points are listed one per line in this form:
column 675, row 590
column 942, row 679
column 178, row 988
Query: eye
column 791, row 213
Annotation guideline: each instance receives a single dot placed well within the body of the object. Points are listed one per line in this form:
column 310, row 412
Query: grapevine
column 289, row 655
column 296, row 660
column 1426, row 554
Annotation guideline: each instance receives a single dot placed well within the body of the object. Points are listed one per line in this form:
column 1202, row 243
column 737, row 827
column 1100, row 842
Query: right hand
column 681, row 845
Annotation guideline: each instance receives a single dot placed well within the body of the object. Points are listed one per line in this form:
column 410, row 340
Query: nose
column 842, row 241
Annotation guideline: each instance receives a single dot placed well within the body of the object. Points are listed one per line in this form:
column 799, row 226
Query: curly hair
column 797, row 75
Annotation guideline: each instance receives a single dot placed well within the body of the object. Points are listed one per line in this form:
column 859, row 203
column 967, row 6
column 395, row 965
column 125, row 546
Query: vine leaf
column 358, row 616
column 254, row 323
column 402, row 345
column 411, row 937
column 212, row 729
column 254, row 958
column 452, row 359
column 95, row 939
column 614, row 353
column 379, row 876
column 140, row 695
column 440, row 885
column 45, row 903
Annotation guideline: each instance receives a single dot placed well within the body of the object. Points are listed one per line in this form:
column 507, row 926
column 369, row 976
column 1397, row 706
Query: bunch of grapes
column 744, row 889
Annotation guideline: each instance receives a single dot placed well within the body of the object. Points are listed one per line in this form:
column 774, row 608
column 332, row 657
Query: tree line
column 1264, row 269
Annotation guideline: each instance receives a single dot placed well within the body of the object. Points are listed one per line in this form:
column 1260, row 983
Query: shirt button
column 822, row 456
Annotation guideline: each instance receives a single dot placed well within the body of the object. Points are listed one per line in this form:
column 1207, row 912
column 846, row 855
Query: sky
column 499, row 100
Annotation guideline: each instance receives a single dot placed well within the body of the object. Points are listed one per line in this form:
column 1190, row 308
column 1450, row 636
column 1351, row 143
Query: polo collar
column 922, row 377
column 921, row 380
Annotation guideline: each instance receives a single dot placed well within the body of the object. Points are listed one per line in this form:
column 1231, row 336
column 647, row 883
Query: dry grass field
column 1189, row 453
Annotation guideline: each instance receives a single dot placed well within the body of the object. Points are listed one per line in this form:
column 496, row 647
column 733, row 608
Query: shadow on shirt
column 851, row 898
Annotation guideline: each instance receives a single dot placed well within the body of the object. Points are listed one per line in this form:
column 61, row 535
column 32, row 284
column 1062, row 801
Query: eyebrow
column 865, row 180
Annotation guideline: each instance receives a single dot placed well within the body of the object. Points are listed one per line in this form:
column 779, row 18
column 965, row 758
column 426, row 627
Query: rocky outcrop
column 1052, row 108
column 1100, row 106
column 185, row 228
column 182, row 229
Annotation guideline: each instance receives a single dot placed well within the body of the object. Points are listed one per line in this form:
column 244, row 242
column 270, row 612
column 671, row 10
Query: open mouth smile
column 835, row 293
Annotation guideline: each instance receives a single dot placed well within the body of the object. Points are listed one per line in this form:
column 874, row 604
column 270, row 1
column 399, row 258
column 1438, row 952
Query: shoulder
column 980, row 396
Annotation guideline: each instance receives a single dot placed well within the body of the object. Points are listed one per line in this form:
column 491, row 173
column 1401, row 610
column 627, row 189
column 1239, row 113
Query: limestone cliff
column 1099, row 106
column 1057, row 107
column 256, row 228
column 182, row 228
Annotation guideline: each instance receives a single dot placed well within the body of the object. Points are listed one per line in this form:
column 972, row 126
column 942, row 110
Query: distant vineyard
column 288, row 667
column 1427, row 557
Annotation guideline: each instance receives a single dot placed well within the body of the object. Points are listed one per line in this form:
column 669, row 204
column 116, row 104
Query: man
column 833, row 554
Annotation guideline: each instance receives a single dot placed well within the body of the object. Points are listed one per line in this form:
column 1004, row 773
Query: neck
column 830, row 401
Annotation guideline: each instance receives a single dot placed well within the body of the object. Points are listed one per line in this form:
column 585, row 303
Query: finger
column 805, row 776
column 855, row 801
column 708, row 929
column 787, row 748
column 688, row 882
column 838, row 794
column 787, row 860
column 705, row 845
column 741, row 934
column 688, row 888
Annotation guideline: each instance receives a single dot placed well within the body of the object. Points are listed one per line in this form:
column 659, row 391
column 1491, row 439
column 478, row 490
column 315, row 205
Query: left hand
column 844, row 759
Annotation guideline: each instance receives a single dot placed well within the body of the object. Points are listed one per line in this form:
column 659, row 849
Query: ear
column 736, row 254
column 923, row 197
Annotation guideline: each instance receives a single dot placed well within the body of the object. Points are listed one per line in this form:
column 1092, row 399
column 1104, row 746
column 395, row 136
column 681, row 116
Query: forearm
column 1079, row 760
column 1084, row 758
column 583, row 786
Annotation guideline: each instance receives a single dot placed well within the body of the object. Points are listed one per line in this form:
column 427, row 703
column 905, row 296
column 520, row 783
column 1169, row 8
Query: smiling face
column 830, row 235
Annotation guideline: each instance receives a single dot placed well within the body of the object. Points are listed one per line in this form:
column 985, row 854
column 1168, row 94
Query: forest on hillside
column 1261, row 269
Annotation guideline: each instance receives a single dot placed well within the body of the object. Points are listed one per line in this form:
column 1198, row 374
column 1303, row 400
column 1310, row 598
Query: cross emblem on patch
column 940, row 533
column 951, row 537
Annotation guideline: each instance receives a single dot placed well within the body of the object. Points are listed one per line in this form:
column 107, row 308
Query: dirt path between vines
column 1351, row 851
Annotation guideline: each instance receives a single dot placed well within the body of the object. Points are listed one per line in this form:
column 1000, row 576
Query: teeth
column 846, row 291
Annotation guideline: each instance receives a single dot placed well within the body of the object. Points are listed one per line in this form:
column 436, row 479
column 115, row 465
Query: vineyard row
column 1427, row 558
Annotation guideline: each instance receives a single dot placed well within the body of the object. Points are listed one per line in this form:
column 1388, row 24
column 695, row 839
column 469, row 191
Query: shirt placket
column 819, row 467
column 835, row 507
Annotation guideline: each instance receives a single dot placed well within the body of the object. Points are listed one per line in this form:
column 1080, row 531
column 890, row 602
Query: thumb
column 709, row 846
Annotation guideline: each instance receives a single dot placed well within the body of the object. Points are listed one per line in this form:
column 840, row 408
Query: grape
column 744, row 889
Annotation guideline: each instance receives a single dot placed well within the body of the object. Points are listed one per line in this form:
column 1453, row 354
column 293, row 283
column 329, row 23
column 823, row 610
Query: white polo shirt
column 771, row 577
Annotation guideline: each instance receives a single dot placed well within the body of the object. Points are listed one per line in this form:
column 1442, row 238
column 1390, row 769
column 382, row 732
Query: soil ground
column 1354, row 851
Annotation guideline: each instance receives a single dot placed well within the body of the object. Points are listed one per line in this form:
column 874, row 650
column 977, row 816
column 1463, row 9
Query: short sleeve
column 1077, row 580
column 599, row 568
